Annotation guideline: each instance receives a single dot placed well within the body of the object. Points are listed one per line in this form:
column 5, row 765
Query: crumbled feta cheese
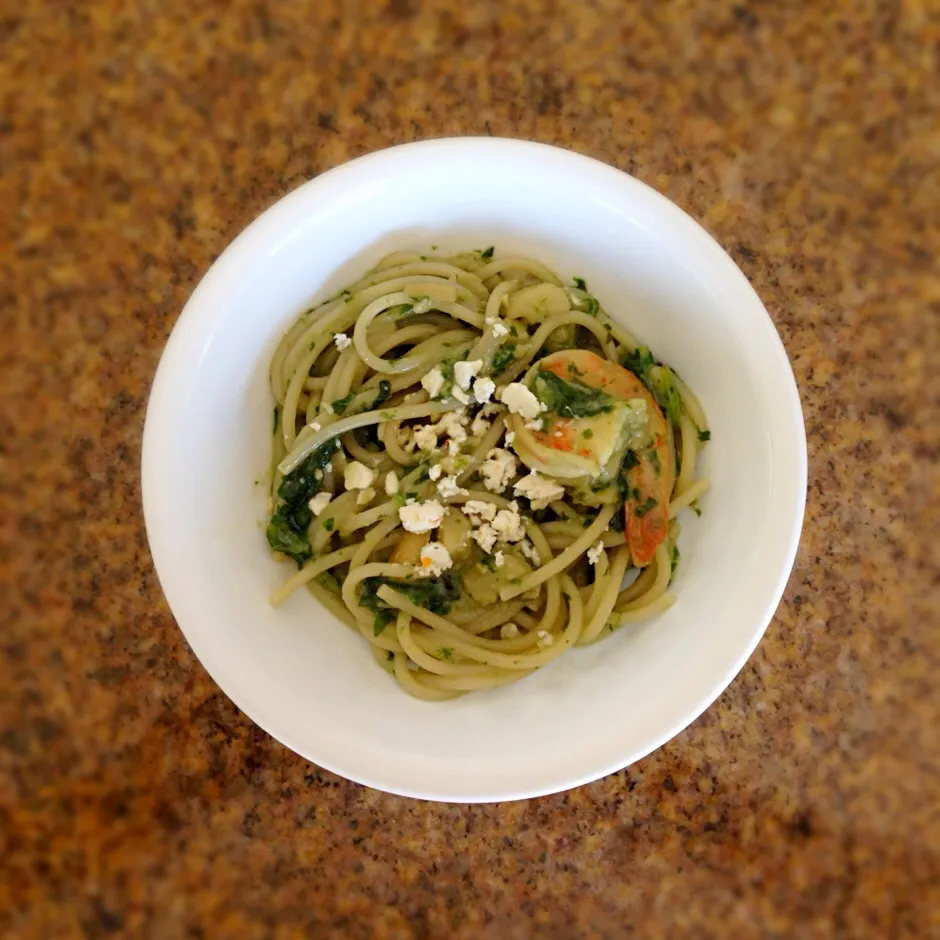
column 500, row 329
column 545, row 638
column 319, row 503
column 460, row 394
column 480, row 425
column 315, row 425
column 435, row 471
column 433, row 382
column 478, row 507
column 464, row 372
column 530, row 552
column 421, row 517
column 594, row 553
column 391, row 483
column 520, row 400
column 435, row 560
column 508, row 525
column 365, row 496
column 499, row 559
column 510, row 437
column 357, row 476
column 539, row 490
column 498, row 469
column 486, row 537
column 533, row 425
column 426, row 437
column 422, row 305
column 342, row 341
column 483, row 389
column 453, row 448
column 508, row 630
column 448, row 488
column 318, row 474
column 450, row 424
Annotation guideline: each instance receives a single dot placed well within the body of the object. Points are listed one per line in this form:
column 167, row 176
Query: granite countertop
column 137, row 140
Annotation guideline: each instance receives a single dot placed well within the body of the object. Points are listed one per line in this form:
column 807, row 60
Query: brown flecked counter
column 136, row 140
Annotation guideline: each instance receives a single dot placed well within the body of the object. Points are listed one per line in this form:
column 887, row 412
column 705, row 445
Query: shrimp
column 650, row 481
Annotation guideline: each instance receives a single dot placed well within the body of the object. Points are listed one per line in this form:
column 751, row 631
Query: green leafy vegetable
column 571, row 399
column 277, row 415
column 328, row 524
column 487, row 253
column 673, row 562
column 694, row 506
column 658, row 379
column 434, row 594
column 385, row 389
column 502, row 358
column 704, row 435
column 287, row 533
column 580, row 283
column 287, row 528
column 445, row 652
column 644, row 507
column 341, row 404
column 591, row 306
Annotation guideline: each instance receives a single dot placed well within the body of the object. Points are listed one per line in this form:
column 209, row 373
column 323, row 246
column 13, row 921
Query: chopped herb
column 387, row 415
column 411, row 495
column 580, row 283
column 704, row 435
column 399, row 499
column 400, row 310
column 423, row 257
column 277, row 414
column 644, row 507
column 654, row 460
column 341, row 404
column 587, row 434
column 617, row 522
column 592, row 307
column 436, row 595
column 502, row 358
column 694, row 506
column 570, row 399
column 328, row 524
column 445, row 652
column 385, row 389
column 487, row 253
column 630, row 460
column 313, row 343
column 574, row 371
column 673, row 562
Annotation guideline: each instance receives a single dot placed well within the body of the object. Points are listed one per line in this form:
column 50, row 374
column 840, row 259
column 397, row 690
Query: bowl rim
column 156, row 420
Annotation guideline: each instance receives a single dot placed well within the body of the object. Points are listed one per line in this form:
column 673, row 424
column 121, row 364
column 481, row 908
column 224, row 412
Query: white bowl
column 311, row 682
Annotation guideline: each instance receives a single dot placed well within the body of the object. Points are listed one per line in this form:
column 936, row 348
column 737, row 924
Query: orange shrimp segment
column 650, row 482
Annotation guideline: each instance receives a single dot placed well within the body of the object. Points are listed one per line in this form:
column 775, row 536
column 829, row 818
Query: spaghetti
column 476, row 468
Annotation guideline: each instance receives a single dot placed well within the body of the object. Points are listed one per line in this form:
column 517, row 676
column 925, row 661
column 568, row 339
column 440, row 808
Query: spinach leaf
column 287, row 532
column 502, row 358
column 385, row 389
column 341, row 404
column 287, row 528
column 571, row 399
column 658, row 379
column 487, row 253
column 434, row 594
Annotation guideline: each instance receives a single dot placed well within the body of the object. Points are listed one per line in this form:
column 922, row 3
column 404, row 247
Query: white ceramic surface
column 308, row 680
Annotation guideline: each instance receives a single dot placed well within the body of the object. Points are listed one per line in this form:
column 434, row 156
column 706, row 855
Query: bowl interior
column 310, row 681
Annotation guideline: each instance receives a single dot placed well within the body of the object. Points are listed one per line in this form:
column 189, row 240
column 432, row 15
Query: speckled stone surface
column 136, row 140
